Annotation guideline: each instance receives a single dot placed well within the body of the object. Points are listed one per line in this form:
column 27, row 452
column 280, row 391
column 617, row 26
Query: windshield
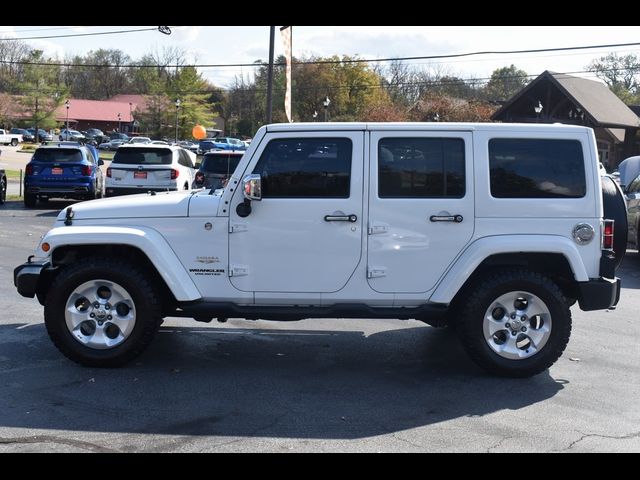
column 220, row 164
column 143, row 156
column 57, row 155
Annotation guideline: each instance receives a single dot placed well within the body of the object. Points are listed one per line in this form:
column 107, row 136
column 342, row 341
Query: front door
column 306, row 233
column 420, row 207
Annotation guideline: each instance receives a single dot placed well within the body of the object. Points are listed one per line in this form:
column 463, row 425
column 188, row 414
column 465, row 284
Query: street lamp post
column 326, row 104
column 130, row 117
column 119, row 118
column 177, row 110
column 67, row 104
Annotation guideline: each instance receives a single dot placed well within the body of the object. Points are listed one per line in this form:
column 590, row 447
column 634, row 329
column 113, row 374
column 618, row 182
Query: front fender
column 146, row 239
column 483, row 248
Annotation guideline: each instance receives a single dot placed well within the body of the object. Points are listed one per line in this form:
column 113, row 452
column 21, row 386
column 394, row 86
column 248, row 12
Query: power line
column 35, row 30
column 310, row 62
column 112, row 32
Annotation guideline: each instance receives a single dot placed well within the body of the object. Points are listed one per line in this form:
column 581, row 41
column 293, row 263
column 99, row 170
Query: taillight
column 174, row 173
column 607, row 235
column 86, row 170
column 109, row 172
column 29, row 170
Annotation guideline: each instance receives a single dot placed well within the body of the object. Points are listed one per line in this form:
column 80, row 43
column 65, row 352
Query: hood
column 164, row 204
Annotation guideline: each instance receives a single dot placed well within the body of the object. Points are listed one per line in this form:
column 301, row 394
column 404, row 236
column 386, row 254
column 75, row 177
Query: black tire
column 134, row 280
column 487, row 289
column 14, row 142
column 3, row 190
column 30, row 200
column 615, row 208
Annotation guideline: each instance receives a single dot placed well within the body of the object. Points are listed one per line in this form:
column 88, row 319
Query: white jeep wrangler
column 496, row 229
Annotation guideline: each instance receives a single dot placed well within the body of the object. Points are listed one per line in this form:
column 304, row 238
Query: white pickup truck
column 7, row 138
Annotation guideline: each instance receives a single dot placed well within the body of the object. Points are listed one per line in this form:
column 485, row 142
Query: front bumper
column 599, row 294
column 28, row 276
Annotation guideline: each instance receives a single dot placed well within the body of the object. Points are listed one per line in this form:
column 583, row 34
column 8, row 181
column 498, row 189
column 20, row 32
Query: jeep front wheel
column 102, row 313
column 515, row 323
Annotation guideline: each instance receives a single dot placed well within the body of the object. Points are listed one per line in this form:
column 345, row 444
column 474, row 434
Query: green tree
column 42, row 91
column 193, row 92
column 504, row 83
column 620, row 73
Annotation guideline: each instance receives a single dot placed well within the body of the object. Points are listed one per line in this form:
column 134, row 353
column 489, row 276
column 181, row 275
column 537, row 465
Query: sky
column 245, row 44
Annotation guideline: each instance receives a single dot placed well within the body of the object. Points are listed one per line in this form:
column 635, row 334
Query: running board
column 206, row 311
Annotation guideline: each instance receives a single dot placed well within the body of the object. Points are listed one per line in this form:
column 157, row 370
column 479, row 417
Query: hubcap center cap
column 516, row 324
column 100, row 314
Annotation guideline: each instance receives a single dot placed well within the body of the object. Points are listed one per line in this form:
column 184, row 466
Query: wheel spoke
column 494, row 325
column 536, row 307
column 537, row 336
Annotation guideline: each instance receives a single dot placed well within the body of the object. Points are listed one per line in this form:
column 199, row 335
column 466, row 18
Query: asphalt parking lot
column 316, row 385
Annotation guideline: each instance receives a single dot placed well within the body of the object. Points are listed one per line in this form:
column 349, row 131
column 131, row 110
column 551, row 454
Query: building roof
column 95, row 110
column 139, row 102
column 596, row 99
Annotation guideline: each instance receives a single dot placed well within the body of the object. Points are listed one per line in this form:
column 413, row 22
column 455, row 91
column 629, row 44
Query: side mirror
column 100, row 162
column 252, row 187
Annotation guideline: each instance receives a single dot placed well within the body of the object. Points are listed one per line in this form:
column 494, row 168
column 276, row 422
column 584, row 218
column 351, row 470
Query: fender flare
column 483, row 248
column 147, row 240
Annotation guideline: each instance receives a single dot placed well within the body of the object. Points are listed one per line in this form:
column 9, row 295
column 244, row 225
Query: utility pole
column 272, row 34
column 37, row 133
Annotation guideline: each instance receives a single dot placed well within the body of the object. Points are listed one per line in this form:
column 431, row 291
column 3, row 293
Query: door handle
column 341, row 218
column 446, row 218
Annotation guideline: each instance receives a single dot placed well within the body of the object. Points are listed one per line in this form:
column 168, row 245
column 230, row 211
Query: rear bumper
column 27, row 276
column 599, row 294
column 115, row 191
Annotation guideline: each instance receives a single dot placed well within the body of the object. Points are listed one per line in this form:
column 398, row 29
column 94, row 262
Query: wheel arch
column 554, row 256
column 145, row 247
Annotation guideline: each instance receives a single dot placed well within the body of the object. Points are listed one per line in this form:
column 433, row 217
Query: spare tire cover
column 615, row 208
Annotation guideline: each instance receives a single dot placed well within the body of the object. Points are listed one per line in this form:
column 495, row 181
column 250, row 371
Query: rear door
column 58, row 165
column 142, row 167
column 421, row 211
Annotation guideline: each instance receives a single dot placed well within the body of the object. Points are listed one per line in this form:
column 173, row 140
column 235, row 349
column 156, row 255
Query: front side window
column 306, row 168
column 421, row 167
column 536, row 168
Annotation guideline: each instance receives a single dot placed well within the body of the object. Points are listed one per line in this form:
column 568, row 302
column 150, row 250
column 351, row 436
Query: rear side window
column 143, row 156
column 421, row 168
column 57, row 155
column 536, row 168
column 306, row 168
column 220, row 164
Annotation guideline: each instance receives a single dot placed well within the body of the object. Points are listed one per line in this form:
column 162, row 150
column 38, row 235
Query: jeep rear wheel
column 515, row 323
column 101, row 312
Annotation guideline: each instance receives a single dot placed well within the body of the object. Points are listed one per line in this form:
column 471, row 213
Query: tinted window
column 184, row 159
column 306, row 167
column 143, row 156
column 220, row 164
column 536, row 168
column 420, row 167
column 634, row 187
column 57, row 155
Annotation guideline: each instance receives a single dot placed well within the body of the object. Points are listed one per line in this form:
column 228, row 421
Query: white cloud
column 187, row 34
column 50, row 49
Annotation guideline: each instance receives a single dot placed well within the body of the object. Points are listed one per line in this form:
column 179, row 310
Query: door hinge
column 377, row 228
column 238, row 227
column 376, row 272
column 238, row 271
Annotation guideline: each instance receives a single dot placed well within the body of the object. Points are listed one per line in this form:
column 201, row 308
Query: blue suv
column 63, row 170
